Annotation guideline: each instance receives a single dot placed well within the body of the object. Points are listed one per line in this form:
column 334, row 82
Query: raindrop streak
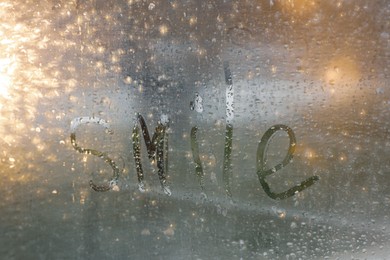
column 155, row 148
column 227, row 162
column 261, row 161
column 195, row 155
column 95, row 120
column 229, row 94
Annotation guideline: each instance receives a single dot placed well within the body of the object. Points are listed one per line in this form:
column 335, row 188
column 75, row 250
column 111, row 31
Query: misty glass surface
column 183, row 129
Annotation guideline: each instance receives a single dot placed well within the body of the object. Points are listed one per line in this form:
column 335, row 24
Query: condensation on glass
column 183, row 129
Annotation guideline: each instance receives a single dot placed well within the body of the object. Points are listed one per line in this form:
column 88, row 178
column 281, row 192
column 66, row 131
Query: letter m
column 155, row 148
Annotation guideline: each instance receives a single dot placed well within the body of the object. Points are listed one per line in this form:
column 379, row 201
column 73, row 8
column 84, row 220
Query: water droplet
column 115, row 188
column 385, row 35
column 379, row 91
column 127, row 80
column 169, row 231
column 167, row 191
column 145, row 232
column 141, row 187
column 151, row 6
column 197, row 104
column 293, row 225
column 163, row 29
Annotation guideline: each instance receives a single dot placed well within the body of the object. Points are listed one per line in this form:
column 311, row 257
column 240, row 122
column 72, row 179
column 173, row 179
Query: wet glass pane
column 183, row 129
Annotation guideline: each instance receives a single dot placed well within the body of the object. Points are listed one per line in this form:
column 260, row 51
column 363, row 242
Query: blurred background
column 320, row 67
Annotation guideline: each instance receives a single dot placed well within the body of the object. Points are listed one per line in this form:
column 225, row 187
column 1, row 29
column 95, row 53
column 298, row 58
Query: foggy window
column 184, row 129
